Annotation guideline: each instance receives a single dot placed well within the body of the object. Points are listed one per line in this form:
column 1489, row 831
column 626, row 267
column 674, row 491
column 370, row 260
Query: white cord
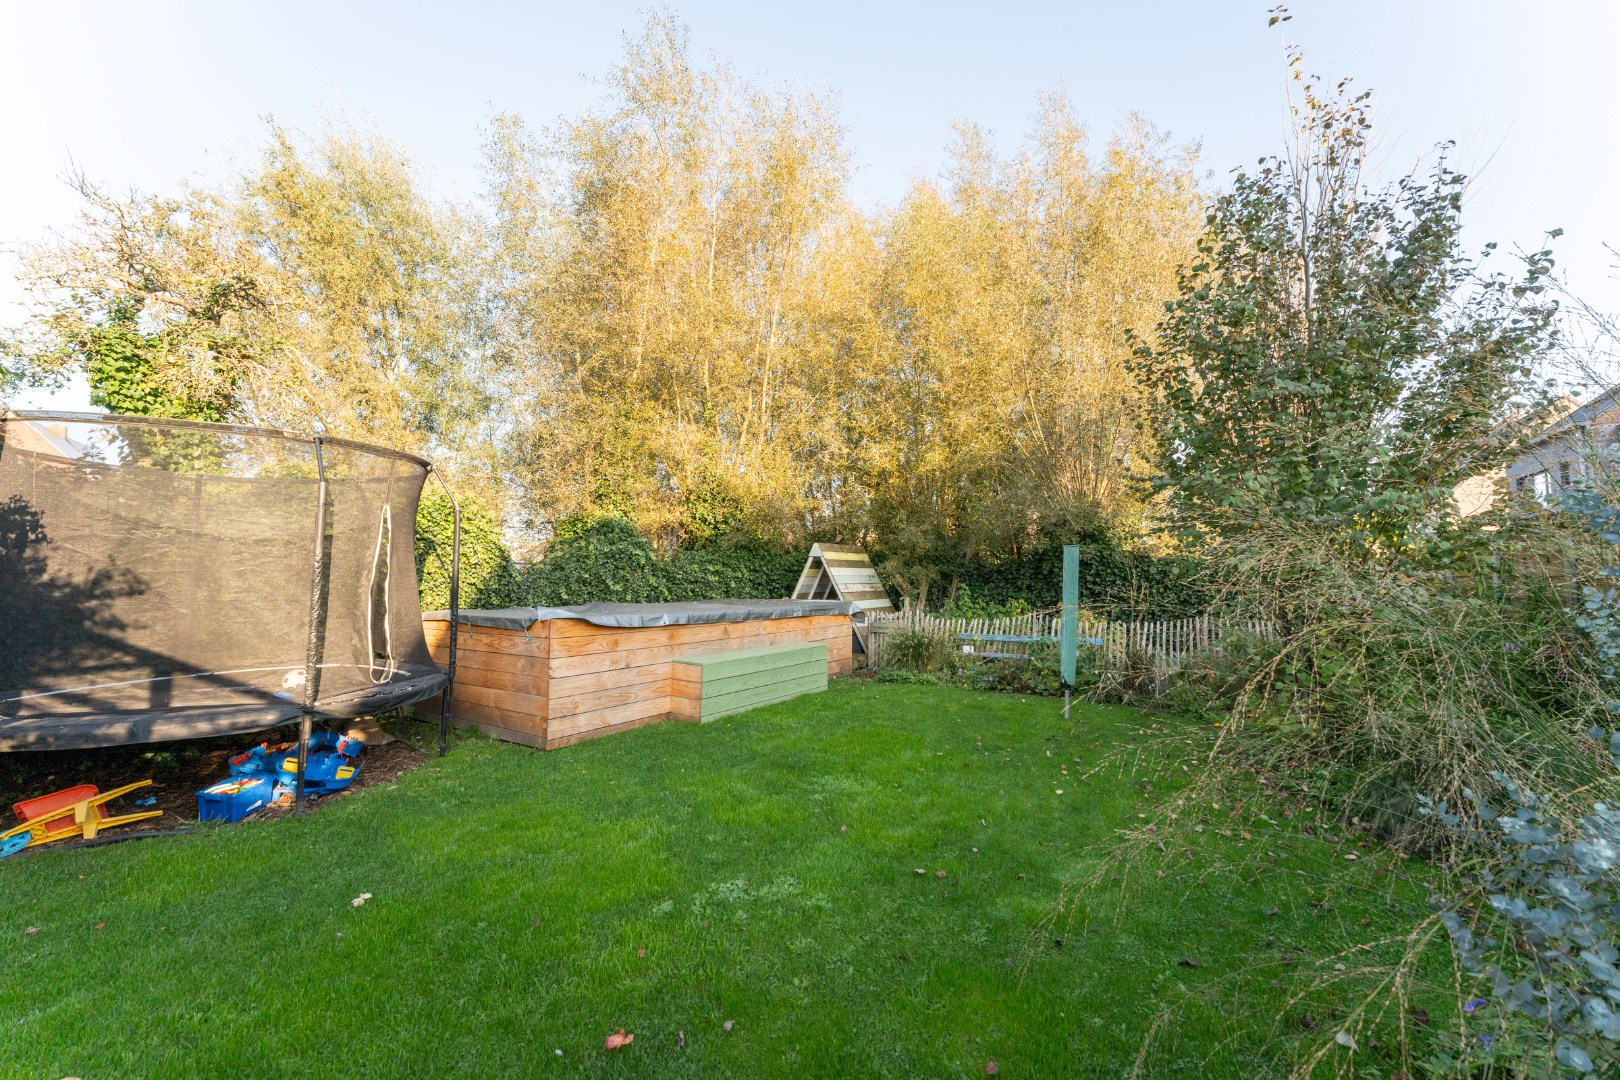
column 385, row 528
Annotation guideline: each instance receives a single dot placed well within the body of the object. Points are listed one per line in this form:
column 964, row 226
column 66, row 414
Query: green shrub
column 730, row 572
column 1393, row 676
column 918, row 650
column 607, row 559
column 1210, row 683
column 604, row 560
column 964, row 605
column 1114, row 581
column 489, row 578
column 1540, row 932
column 1041, row 674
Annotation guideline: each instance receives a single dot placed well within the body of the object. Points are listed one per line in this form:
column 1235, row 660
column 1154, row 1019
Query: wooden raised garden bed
column 549, row 677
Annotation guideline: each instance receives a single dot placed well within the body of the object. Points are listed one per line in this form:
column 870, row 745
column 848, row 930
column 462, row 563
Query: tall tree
column 1334, row 356
column 677, row 274
column 1003, row 305
column 322, row 290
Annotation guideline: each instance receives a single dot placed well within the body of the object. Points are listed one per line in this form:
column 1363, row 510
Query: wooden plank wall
column 567, row 679
column 502, row 678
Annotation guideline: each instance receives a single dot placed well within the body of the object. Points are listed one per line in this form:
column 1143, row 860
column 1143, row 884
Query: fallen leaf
column 362, row 898
column 991, row 1068
column 1344, row 1038
column 101, row 926
column 841, row 828
column 613, row 1042
column 727, row 1025
column 639, row 952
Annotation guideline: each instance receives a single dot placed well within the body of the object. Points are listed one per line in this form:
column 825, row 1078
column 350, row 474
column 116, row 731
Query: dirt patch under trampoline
column 178, row 770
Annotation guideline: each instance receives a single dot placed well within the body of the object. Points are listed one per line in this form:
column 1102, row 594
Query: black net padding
column 156, row 579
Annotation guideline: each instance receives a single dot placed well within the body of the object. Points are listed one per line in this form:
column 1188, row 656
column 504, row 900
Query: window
column 1541, row 485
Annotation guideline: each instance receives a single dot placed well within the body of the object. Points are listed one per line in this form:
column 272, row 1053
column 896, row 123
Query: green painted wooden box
column 718, row 684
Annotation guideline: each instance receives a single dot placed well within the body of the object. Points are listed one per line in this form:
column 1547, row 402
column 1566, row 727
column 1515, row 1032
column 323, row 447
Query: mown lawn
column 759, row 870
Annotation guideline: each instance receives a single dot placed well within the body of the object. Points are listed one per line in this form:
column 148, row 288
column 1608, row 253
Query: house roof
column 1580, row 416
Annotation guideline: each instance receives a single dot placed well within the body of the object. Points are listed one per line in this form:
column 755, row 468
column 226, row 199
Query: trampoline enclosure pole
column 455, row 612
column 312, row 653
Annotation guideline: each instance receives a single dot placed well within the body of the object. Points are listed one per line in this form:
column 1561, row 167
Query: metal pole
column 455, row 612
column 317, row 611
column 1068, row 630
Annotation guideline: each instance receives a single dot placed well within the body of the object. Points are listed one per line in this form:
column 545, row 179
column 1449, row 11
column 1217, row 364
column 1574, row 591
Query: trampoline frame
column 321, row 561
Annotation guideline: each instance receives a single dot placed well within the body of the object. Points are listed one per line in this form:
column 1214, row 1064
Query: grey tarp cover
column 155, row 580
column 642, row 615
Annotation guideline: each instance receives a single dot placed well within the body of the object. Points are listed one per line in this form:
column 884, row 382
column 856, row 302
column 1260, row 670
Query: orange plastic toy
column 78, row 811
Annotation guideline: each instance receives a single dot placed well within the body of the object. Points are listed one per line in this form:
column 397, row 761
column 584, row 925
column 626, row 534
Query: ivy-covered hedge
column 606, row 559
column 1113, row 581
column 589, row 561
column 489, row 577
column 609, row 560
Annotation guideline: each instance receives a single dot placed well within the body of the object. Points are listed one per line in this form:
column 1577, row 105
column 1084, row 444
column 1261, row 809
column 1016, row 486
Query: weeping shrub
column 1392, row 679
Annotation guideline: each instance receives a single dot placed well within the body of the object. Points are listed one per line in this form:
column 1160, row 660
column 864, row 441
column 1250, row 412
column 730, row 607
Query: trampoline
column 165, row 579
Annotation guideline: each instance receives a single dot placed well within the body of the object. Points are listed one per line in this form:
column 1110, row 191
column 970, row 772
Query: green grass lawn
column 759, row 870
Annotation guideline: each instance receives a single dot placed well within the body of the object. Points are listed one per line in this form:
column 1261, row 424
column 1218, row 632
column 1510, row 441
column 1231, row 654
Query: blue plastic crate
column 235, row 798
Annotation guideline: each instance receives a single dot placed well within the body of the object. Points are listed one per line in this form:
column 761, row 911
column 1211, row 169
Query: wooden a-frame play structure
column 841, row 572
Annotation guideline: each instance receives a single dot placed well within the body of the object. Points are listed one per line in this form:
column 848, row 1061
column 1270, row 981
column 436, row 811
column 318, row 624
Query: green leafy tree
column 122, row 366
column 1334, row 356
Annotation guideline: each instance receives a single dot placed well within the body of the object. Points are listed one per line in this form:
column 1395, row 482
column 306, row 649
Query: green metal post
column 1069, row 632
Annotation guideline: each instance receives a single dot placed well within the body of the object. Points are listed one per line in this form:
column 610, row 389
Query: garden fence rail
column 1169, row 641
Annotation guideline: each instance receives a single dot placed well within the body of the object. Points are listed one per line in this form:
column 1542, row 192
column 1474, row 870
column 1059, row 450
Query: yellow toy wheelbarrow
column 79, row 812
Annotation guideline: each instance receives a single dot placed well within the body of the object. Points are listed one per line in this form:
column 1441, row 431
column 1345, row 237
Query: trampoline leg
column 444, row 720
column 304, row 726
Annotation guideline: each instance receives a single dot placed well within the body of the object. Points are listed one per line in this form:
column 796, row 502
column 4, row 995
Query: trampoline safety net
column 156, row 580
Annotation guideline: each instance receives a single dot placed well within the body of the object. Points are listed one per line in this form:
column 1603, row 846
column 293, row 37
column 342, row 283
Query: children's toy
column 235, row 798
column 333, row 763
column 79, row 812
column 257, row 761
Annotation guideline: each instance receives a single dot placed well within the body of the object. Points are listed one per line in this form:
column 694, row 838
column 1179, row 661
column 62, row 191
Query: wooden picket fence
column 1169, row 641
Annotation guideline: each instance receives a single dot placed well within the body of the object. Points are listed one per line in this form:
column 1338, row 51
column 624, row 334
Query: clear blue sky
column 144, row 94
